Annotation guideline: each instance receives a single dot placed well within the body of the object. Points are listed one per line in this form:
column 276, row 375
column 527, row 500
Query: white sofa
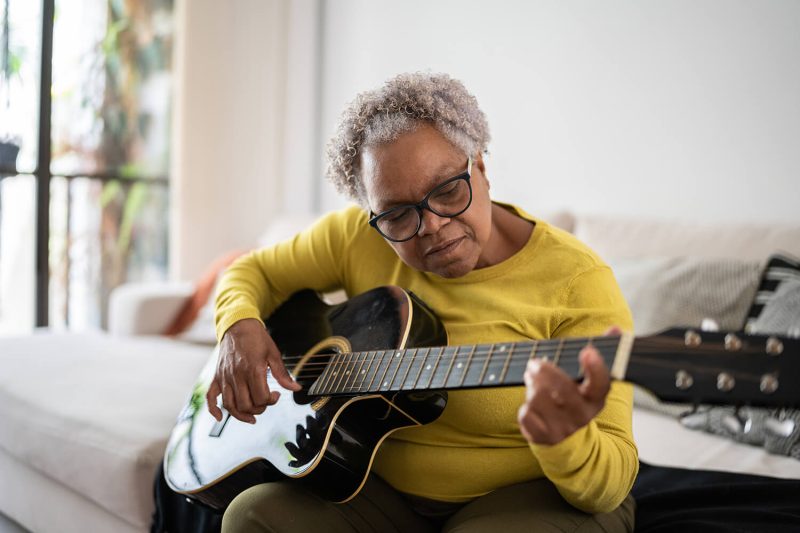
column 84, row 417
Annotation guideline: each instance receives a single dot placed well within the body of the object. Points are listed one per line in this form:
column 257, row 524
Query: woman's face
column 403, row 172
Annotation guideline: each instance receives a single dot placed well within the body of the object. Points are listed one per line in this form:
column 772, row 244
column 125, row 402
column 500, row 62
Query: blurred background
column 139, row 140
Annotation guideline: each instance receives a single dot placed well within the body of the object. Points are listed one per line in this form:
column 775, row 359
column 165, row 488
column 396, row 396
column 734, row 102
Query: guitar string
column 517, row 353
column 534, row 345
column 514, row 359
column 517, row 350
column 311, row 371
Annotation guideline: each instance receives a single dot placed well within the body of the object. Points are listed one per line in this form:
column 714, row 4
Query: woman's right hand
column 245, row 353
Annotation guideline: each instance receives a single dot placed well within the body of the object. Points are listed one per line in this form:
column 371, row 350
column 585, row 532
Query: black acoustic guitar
column 380, row 362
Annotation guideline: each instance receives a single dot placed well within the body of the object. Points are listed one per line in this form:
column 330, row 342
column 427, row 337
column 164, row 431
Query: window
column 99, row 163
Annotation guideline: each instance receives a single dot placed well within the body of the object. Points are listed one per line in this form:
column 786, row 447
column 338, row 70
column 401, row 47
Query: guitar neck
column 460, row 367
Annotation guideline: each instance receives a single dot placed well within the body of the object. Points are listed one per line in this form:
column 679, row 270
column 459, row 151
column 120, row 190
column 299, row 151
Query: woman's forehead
column 391, row 181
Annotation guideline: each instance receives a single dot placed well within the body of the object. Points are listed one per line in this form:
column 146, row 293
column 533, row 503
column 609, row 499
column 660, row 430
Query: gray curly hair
column 381, row 115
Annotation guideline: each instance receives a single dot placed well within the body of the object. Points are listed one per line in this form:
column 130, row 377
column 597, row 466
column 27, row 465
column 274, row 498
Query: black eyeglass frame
column 423, row 204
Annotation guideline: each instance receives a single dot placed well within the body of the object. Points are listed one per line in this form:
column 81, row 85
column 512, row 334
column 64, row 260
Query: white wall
column 241, row 68
column 227, row 157
column 686, row 108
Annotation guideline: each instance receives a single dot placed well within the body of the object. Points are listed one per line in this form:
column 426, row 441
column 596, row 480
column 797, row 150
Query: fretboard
column 454, row 367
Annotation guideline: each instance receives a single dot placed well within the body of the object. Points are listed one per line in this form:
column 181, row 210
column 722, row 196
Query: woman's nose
column 431, row 222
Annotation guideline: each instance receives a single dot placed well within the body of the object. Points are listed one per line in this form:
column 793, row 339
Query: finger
column 613, row 330
column 596, row 381
column 531, row 425
column 229, row 402
column 211, row 400
column 279, row 371
column 244, row 403
column 259, row 390
column 529, row 377
column 543, row 379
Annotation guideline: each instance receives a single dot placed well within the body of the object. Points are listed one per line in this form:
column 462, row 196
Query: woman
column 553, row 455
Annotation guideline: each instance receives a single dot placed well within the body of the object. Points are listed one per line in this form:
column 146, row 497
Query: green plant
column 10, row 57
column 133, row 49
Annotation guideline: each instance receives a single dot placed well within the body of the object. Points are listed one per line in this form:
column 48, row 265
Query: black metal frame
column 42, row 171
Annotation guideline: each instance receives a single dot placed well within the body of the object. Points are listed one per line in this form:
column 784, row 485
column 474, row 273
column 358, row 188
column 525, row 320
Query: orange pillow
column 203, row 291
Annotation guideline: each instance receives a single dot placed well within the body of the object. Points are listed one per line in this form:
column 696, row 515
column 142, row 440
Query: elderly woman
column 554, row 455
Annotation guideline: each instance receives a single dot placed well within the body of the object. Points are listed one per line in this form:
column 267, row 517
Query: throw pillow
column 775, row 310
column 195, row 321
column 780, row 270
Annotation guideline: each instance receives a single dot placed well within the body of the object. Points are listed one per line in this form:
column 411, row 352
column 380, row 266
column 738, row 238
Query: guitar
column 380, row 362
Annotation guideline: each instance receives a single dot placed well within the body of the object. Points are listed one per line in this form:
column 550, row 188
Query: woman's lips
column 445, row 248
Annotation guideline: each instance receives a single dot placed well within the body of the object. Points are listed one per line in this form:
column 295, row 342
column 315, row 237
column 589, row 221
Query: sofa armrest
column 146, row 308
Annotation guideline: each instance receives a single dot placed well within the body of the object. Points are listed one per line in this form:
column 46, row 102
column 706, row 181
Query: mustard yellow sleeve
column 595, row 467
column 258, row 282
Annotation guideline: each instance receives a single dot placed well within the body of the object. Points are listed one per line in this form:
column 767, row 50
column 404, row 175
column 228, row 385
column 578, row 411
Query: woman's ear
column 478, row 162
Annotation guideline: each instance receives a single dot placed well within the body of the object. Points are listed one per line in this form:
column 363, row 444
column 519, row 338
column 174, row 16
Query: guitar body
column 327, row 443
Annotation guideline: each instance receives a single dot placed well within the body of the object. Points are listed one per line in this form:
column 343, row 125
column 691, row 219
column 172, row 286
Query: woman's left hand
column 555, row 405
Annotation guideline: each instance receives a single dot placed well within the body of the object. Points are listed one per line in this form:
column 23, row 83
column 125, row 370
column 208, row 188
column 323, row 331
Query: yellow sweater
column 554, row 287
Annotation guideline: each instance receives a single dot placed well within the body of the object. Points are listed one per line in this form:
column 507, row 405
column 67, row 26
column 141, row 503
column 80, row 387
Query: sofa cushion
column 94, row 412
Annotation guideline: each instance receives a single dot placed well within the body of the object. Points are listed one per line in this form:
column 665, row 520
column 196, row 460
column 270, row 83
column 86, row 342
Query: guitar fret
column 421, row 367
column 332, row 362
column 362, row 372
column 335, row 372
column 405, row 360
column 450, row 368
column 496, row 364
column 339, row 372
column 435, row 366
column 486, row 364
column 457, row 376
column 467, row 366
column 518, row 364
column 319, row 387
column 504, row 372
column 558, row 350
column 394, row 360
column 377, row 369
column 348, row 372
column 387, row 359
column 425, row 371
column 571, row 365
column 359, row 361
column 414, row 370
column 440, row 372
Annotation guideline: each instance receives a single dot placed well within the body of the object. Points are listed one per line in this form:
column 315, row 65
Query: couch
column 84, row 417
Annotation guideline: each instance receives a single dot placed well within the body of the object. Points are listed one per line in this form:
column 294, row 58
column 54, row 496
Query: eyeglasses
column 448, row 199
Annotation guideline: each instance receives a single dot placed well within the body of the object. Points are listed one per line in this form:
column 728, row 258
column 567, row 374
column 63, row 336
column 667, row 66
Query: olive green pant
column 534, row 506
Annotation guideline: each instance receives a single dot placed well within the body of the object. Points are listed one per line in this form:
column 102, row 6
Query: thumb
column 282, row 375
column 211, row 400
